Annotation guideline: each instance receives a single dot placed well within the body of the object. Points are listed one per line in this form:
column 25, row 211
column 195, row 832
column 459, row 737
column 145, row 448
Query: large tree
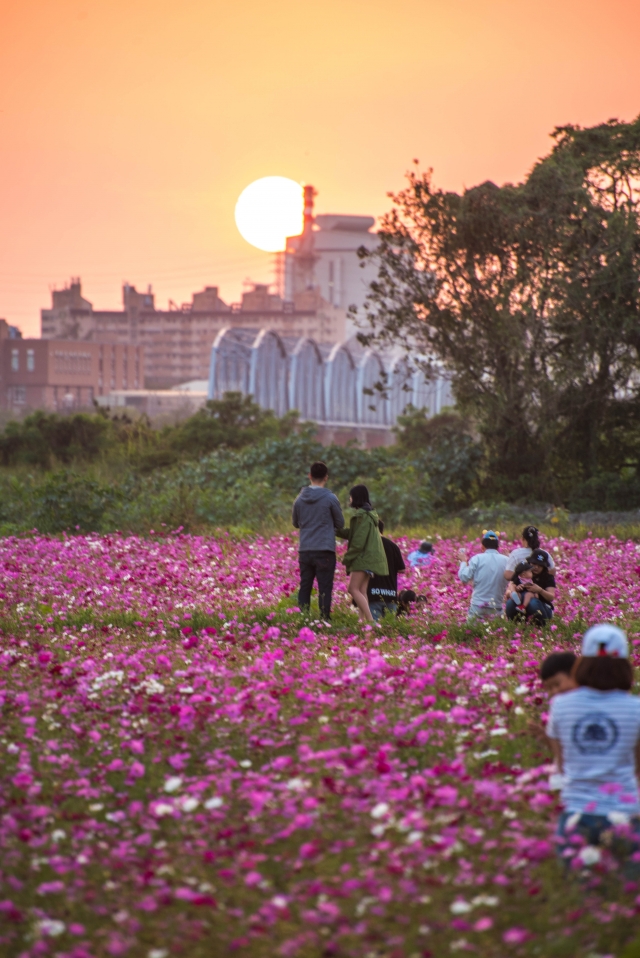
column 529, row 296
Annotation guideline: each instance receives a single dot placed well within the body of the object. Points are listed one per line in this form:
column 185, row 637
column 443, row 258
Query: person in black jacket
column 382, row 590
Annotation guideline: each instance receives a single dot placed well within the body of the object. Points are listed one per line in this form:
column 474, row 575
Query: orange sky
column 128, row 128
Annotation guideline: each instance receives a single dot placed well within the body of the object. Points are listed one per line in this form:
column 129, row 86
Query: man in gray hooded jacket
column 317, row 514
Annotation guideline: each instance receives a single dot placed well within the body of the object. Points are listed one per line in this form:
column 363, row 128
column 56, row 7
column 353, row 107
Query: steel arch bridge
column 330, row 385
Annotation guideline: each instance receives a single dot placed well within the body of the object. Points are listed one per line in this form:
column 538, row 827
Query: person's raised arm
column 509, row 574
column 467, row 569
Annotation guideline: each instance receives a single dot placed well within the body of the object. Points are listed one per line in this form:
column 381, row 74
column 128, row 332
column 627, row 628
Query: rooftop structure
column 177, row 341
column 9, row 332
column 325, row 258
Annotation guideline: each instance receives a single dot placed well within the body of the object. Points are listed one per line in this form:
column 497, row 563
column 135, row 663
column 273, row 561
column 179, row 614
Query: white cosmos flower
column 460, row 907
column 618, row 818
column 379, row 810
column 173, row 784
column 589, row 855
column 50, row 926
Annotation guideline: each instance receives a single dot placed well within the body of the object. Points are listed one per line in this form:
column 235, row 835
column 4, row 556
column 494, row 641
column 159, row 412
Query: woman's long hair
column 360, row 498
column 531, row 536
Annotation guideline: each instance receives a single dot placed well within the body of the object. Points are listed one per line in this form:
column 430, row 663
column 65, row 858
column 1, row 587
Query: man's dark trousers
column 317, row 564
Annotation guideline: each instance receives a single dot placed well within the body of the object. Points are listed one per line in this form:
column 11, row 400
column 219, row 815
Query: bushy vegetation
column 231, row 464
column 234, row 465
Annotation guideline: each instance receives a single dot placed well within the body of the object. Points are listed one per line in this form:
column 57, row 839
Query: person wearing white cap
column 595, row 736
column 486, row 571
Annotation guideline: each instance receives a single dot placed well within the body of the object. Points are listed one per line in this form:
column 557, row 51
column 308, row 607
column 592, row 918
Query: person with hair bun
column 365, row 556
column 595, row 736
column 530, row 543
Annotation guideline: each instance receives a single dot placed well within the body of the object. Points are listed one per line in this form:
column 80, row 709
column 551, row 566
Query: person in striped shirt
column 595, row 736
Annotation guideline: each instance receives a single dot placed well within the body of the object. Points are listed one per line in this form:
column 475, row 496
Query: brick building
column 177, row 342
column 63, row 374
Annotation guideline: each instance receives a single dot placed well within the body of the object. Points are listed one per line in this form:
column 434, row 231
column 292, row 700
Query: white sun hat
column 605, row 639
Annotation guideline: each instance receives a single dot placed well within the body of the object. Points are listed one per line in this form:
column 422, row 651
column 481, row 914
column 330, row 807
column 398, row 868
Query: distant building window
column 15, row 360
column 31, row 360
column 18, row 395
column 72, row 362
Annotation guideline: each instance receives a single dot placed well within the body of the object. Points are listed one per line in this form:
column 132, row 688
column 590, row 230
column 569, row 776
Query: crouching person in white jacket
column 486, row 571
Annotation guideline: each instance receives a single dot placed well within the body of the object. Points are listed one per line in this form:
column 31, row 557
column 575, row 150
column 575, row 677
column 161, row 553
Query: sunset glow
column 269, row 210
column 129, row 128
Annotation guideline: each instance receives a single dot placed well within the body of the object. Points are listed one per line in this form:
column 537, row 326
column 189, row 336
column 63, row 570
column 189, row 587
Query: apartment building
column 177, row 341
column 63, row 374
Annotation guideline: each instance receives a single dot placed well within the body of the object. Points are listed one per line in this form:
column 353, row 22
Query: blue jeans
column 379, row 608
column 591, row 828
column 537, row 609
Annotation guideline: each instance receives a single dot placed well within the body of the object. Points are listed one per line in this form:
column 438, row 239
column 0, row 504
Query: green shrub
column 402, row 496
column 68, row 502
column 606, row 492
column 44, row 438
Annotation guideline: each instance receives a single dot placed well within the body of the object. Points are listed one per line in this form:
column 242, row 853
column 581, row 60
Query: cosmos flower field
column 191, row 767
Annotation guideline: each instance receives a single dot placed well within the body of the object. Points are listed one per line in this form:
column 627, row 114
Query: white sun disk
column 269, row 210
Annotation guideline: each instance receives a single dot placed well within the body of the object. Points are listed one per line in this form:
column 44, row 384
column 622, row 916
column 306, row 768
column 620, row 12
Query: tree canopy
column 529, row 296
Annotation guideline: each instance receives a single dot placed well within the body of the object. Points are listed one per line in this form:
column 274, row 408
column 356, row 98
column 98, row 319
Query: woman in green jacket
column 365, row 556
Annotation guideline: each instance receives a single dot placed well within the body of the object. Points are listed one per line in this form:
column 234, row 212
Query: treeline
column 529, row 296
column 235, row 465
column 231, row 464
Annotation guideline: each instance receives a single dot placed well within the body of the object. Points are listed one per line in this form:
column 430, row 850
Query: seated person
column 595, row 734
column 516, row 593
column 407, row 599
column 421, row 557
column 555, row 673
column 382, row 590
column 556, row 677
column 542, row 587
column 530, row 543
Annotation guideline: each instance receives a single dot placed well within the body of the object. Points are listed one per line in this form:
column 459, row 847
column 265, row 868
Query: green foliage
column 402, row 495
column 606, row 491
column 632, row 950
column 444, row 447
column 44, row 438
column 60, row 501
column 234, row 421
column 529, row 294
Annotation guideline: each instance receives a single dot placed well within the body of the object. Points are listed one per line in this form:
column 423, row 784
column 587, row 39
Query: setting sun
column 269, row 210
